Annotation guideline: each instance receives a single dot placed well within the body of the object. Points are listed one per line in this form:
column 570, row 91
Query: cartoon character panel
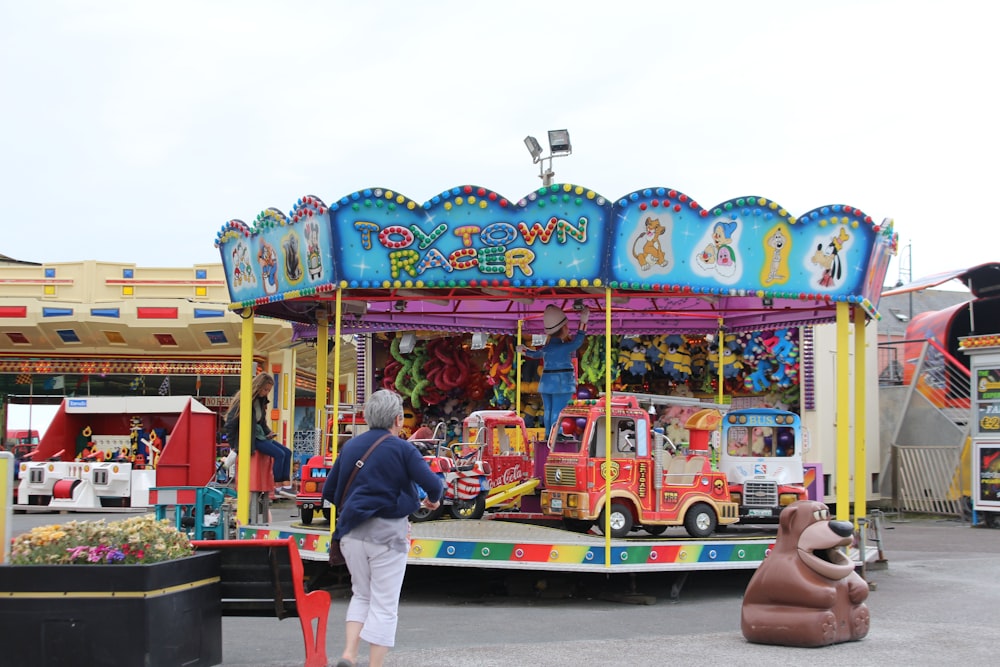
column 470, row 236
column 663, row 237
column 279, row 254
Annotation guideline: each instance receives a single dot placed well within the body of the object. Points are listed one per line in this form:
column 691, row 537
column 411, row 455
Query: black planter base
column 160, row 615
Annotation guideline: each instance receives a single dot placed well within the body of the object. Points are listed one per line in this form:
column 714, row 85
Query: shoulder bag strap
column 358, row 465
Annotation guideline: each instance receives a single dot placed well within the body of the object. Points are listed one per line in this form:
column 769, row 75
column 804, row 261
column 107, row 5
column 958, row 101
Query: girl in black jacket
column 263, row 437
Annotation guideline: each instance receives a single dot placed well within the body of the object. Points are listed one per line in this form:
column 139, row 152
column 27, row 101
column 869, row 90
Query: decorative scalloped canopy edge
column 470, row 259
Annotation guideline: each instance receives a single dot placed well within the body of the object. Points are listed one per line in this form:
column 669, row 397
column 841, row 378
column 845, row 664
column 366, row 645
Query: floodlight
column 533, row 147
column 559, row 142
column 559, row 146
column 479, row 341
column 407, row 343
column 354, row 307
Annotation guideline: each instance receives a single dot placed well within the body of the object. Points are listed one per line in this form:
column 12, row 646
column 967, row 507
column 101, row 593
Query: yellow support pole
column 607, row 427
column 244, row 446
column 322, row 365
column 284, row 398
column 713, row 453
column 290, row 375
column 335, row 429
column 7, row 465
column 843, row 430
column 338, row 322
column 860, row 440
column 722, row 371
column 517, row 368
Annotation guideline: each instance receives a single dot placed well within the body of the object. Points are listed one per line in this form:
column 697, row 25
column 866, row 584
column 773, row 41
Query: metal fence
column 926, row 465
column 928, row 479
column 307, row 442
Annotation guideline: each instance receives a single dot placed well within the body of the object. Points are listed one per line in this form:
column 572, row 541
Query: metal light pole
column 909, row 271
column 906, row 269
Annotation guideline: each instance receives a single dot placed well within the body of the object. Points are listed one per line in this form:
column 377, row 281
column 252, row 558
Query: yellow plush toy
column 532, row 412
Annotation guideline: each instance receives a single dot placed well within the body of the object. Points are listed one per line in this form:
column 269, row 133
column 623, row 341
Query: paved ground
column 934, row 603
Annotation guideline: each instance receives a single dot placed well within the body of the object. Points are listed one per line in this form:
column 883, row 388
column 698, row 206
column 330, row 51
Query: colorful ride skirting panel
column 574, row 553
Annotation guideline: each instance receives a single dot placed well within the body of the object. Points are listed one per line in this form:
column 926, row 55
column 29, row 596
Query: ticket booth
column 984, row 355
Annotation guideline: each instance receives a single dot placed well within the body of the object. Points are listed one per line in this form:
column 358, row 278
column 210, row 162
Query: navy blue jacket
column 386, row 486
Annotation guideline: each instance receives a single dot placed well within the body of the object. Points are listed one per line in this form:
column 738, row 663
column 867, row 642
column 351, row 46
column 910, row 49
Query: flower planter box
column 159, row 615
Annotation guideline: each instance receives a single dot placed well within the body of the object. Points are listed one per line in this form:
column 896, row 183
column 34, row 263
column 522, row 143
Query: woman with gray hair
column 372, row 521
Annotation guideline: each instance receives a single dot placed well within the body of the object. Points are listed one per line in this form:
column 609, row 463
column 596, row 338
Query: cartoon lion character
column 806, row 592
column 652, row 252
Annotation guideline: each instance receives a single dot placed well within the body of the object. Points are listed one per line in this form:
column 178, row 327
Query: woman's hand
column 521, row 349
column 428, row 504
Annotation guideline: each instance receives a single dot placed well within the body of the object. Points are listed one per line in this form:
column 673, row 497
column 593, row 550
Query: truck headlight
column 787, row 498
column 572, row 500
column 735, row 497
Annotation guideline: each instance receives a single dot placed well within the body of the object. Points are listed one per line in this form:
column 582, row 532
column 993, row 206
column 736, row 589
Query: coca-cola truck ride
column 650, row 486
column 493, row 456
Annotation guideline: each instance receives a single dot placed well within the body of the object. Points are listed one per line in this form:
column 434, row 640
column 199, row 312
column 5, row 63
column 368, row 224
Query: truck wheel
column 700, row 520
column 468, row 509
column 654, row 530
column 424, row 514
column 578, row 525
column 621, row 520
column 307, row 516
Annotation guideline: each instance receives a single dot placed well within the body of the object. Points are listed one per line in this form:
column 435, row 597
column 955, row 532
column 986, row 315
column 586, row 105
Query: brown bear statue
column 806, row 592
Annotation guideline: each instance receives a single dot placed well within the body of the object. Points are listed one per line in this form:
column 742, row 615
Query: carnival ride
column 471, row 261
column 101, row 452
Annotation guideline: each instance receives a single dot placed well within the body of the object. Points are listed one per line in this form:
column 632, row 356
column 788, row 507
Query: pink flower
column 77, row 552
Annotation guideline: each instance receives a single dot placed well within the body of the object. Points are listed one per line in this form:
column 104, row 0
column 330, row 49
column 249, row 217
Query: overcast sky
column 132, row 131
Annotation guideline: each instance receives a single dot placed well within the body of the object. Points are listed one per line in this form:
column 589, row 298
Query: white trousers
column 376, row 580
